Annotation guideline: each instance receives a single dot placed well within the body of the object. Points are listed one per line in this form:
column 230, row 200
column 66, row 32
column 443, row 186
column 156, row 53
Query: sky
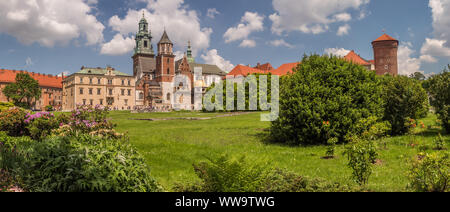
column 56, row 36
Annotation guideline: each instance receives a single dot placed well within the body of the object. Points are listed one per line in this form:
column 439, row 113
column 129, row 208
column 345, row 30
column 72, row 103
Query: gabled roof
column 385, row 37
column 165, row 39
column 208, row 69
column 9, row 76
column 356, row 59
column 285, row 69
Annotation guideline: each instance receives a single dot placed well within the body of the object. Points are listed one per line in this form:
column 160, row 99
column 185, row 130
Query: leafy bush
column 84, row 163
column 331, row 147
column 438, row 87
column 227, row 175
column 49, row 108
column 439, row 143
column 41, row 124
column 327, row 89
column 361, row 156
column 405, row 99
column 430, row 173
column 12, row 121
column 5, row 106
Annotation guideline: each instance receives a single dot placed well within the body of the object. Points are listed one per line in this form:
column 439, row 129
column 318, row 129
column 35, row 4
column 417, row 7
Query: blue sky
column 275, row 31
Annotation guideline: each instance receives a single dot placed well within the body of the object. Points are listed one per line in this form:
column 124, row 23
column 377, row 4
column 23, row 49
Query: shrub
column 227, row 175
column 41, row 124
column 430, row 173
column 5, row 106
column 12, row 121
column 85, row 120
column 405, row 99
column 49, row 108
column 438, row 87
column 361, row 155
column 331, row 147
column 84, row 163
column 439, row 143
column 327, row 89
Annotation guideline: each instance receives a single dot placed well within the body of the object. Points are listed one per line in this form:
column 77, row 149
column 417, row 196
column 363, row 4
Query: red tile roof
column 264, row 67
column 9, row 76
column 384, row 37
column 356, row 59
column 285, row 69
column 245, row 71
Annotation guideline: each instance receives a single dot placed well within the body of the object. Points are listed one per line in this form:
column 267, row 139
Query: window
column 123, row 82
column 99, row 91
column 91, row 102
column 123, row 92
column 126, row 102
column 90, row 91
column 168, row 96
column 81, row 79
column 129, row 92
column 99, row 81
column 90, row 80
column 168, row 60
column 110, row 91
column 129, row 82
column 141, row 96
column 110, row 81
column 101, row 101
column 81, row 90
column 168, row 71
column 145, row 42
column 84, row 101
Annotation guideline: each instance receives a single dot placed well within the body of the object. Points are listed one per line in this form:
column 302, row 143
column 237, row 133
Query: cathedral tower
column 144, row 56
column 165, row 61
column 385, row 50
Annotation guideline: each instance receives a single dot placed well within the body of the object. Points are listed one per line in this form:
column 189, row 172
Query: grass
column 171, row 147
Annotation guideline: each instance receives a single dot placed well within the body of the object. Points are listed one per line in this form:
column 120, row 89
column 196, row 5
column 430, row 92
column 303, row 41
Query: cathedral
column 162, row 82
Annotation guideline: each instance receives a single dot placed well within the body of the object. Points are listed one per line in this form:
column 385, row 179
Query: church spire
column 189, row 53
column 144, row 38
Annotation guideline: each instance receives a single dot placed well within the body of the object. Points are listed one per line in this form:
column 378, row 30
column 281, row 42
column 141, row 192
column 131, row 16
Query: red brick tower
column 165, row 61
column 385, row 50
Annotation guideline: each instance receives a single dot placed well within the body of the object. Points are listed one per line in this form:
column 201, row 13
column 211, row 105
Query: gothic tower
column 190, row 58
column 385, row 50
column 144, row 57
column 165, row 61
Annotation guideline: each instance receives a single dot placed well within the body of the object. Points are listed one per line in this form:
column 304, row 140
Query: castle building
column 155, row 73
column 99, row 86
column 51, row 88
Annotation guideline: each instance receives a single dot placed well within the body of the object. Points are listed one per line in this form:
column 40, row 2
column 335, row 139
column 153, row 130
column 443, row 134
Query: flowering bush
column 12, row 121
column 40, row 125
column 85, row 120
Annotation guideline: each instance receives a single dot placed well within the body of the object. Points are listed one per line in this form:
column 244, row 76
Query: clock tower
column 144, row 62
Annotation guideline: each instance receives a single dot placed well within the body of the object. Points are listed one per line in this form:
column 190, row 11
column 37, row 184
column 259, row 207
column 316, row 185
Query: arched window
column 168, row 96
column 168, row 70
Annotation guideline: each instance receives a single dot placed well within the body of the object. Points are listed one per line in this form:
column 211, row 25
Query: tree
column 405, row 99
column 326, row 97
column 438, row 87
column 418, row 76
column 24, row 91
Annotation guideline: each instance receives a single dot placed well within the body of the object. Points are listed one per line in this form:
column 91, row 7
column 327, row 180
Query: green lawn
column 171, row 147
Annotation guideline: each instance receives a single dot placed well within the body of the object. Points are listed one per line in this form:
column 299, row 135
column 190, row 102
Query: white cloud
column 439, row 46
column 50, row 22
column 407, row 64
column 435, row 48
column 118, row 46
column 248, row 44
column 341, row 52
column 180, row 23
column 212, row 12
column 343, row 30
column 66, row 73
column 213, row 58
column 280, row 42
column 250, row 22
column 28, row 62
column 312, row 16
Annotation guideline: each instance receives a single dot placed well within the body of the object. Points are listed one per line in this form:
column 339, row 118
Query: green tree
column 405, row 99
column 24, row 91
column 418, row 76
column 326, row 97
column 438, row 88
